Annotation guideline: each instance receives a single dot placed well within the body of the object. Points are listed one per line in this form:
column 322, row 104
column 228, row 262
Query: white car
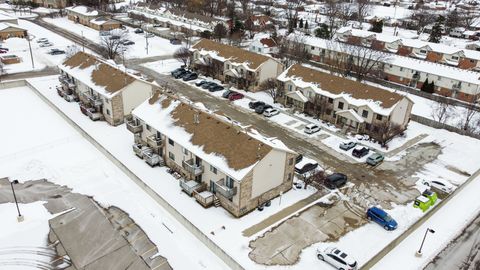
column 440, row 185
column 41, row 40
column 270, row 112
column 337, row 258
column 46, row 44
column 311, row 128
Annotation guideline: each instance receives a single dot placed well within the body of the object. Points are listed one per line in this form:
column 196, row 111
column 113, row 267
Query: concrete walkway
column 406, row 145
column 294, row 208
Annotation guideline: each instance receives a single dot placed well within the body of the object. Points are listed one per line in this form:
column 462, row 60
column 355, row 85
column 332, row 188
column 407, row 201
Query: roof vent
column 196, row 118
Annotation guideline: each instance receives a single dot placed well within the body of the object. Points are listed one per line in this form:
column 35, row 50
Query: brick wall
column 465, row 63
column 434, row 57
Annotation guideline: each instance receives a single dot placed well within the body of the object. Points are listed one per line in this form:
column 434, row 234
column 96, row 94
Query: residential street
column 462, row 253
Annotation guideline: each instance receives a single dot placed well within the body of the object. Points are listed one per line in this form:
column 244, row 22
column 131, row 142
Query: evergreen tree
column 322, row 31
column 306, row 24
column 377, row 26
column 425, row 85
column 431, row 87
column 300, row 24
column 436, row 33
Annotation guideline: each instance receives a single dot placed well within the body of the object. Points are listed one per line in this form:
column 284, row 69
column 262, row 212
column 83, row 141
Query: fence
column 435, row 124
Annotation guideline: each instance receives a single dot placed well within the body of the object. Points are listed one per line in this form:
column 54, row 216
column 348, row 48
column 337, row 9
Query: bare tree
column 422, row 17
column 345, row 13
column 72, row 50
column 292, row 49
column 467, row 17
column 467, row 122
column 113, row 45
column 363, row 9
column 332, row 11
column 183, row 55
column 292, row 13
column 386, row 131
column 220, row 31
column 318, row 105
column 441, row 110
column 315, row 180
column 245, row 5
column 270, row 87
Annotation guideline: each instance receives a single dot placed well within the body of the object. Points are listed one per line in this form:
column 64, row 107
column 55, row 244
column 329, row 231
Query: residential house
column 264, row 45
column 105, row 91
column 8, row 30
column 92, row 18
column 349, row 104
column 216, row 161
column 449, row 81
column 240, row 68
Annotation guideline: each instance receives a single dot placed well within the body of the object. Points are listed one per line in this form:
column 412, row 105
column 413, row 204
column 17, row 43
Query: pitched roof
column 268, row 42
column 226, row 146
column 97, row 74
column 5, row 25
column 338, row 85
column 231, row 53
column 84, row 10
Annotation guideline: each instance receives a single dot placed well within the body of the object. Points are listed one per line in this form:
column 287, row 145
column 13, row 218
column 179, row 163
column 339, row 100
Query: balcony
column 142, row 151
column 152, row 159
column 205, row 198
column 457, row 87
column 93, row 114
column 192, row 168
column 95, row 101
column 225, row 191
column 134, row 126
column 189, row 186
column 154, row 141
column 65, row 81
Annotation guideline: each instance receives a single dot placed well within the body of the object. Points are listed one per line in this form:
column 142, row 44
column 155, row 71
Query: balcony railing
column 189, row 186
column 456, row 87
column 152, row 159
column 205, row 198
column 134, row 126
column 64, row 80
column 225, row 191
column 94, row 114
column 95, row 101
column 154, row 141
column 192, row 167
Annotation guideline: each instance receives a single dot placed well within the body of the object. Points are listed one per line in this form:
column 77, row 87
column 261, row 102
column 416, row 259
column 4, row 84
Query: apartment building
column 231, row 65
column 264, row 45
column 449, row 81
column 216, row 161
column 8, row 30
column 91, row 18
column 429, row 51
column 351, row 105
column 104, row 91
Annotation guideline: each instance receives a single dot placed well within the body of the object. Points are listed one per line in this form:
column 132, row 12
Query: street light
column 20, row 218
column 30, row 37
column 419, row 252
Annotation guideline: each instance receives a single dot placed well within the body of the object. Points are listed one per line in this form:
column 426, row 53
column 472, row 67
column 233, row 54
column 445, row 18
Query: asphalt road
column 463, row 253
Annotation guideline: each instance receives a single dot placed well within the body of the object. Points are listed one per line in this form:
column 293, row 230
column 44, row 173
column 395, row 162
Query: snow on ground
column 45, row 146
column 448, row 222
column 156, row 46
column 118, row 140
column 41, row 58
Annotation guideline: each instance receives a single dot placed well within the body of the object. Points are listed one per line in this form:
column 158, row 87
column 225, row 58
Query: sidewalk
column 447, row 222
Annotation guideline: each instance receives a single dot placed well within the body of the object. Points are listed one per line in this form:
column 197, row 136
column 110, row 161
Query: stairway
column 216, row 201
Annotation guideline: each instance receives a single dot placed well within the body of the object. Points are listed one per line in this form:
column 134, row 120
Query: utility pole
column 29, row 38
column 146, row 41
column 419, row 251
column 20, row 218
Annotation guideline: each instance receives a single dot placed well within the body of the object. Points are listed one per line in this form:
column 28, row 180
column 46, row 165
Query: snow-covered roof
column 5, row 25
column 381, row 101
column 86, row 11
column 305, row 160
column 6, row 17
column 403, row 61
column 231, row 149
column 297, row 95
column 352, row 113
column 102, row 76
column 102, row 20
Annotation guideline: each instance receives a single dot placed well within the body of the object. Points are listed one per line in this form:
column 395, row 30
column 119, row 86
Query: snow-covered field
column 156, row 46
column 40, row 144
column 370, row 238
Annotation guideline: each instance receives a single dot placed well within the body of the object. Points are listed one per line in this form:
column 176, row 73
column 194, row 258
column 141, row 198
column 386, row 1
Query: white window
column 213, row 169
column 455, row 57
column 171, row 156
column 289, row 88
column 185, row 151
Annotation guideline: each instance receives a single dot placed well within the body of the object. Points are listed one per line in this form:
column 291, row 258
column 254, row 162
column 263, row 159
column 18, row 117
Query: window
column 379, row 117
column 148, row 127
column 340, row 105
column 185, row 151
column 108, row 112
column 313, row 48
column 401, row 69
column 423, row 51
column 229, row 182
column 171, row 156
column 290, row 161
column 368, row 126
column 328, row 111
column 171, row 142
column 213, row 169
column 364, row 114
column 228, row 66
column 455, row 57
column 289, row 88
column 330, row 100
column 289, row 177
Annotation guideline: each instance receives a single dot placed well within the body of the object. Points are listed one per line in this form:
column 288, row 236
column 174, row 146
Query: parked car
column 311, row 128
column 337, row 258
column 114, row 37
column 347, row 145
column 335, row 180
column 200, row 83
column 175, row 41
column 360, row 151
column 128, row 42
column 374, row 159
column 382, row 218
column 180, row 74
column 227, row 93
column 46, row 44
column 178, row 70
column 56, row 51
column 41, row 40
column 104, row 33
column 298, row 158
column 190, row 76
column 440, row 185
column 255, row 104
column 305, row 165
column 235, row 96
column 3, row 51
column 216, row 88
column 138, row 31
column 260, row 109
column 208, row 85
column 270, row 112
